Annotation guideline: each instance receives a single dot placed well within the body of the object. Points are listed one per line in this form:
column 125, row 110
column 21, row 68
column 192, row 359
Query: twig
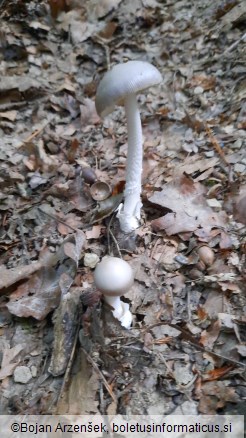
column 35, row 133
column 109, row 232
column 216, row 145
column 94, row 365
column 230, row 48
column 188, row 304
column 116, row 243
column 11, row 276
column 182, row 388
column 201, row 348
column 23, row 240
column 56, row 219
column 189, row 339
column 104, row 44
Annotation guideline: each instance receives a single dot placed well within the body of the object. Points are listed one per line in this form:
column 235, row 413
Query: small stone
column 53, row 148
column 214, row 203
column 242, row 350
column 237, row 144
column 189, row 147
column 180, row 97
column 209, row 154
column 189, row 407
column 189, row 135
column 91, row 259
column 198, row 90
column 219, row 73
column 34, row 371
column 182, row 373
column 240, row 168
column 229, row 129
column 22, row 374
column 35, row 352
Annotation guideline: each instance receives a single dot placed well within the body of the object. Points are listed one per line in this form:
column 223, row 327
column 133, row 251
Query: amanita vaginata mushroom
column 114, row 277
column 120, row 86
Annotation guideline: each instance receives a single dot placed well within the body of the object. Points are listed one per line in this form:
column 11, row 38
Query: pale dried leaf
column 209, row 337
column 241, row 350
column 72, row 222
column 95, row 232
column 22, row 83
column 193, row 164
column 11, row 276
column 190, row 210
column 240, row 209
column 10, row 115
column 81, row 394
column 100, row 9
column 214, row 303
column 88, row 113
column 7, row 365
column 38, row 296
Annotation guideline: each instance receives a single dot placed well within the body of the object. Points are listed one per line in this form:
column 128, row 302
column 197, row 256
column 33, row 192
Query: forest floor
column 61, row 349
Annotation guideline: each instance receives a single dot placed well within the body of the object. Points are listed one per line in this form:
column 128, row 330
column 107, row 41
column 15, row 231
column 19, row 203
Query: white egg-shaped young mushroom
column 114, row 277
column 119, row 86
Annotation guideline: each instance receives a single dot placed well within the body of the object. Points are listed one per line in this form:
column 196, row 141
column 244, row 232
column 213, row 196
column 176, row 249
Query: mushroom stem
column 129, row 215
column 121, row 310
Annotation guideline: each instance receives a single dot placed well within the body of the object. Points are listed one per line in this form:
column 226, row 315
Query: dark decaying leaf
column 65, row 325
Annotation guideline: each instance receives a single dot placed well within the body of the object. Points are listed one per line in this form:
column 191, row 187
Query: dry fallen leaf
column 214, row 395
column 100, row 9
column 189, row 208
column 240, row 209
column 22, row 83
column 71, row 222
column 88, row 113
column 206, row 82
column 41, row 293
column 241, row 350
column 65, row 321
column 7, row 364
column 73, row 249
column 209, row 337
column 217, row 373
column 38, row 296
column 58, row 6
column 10, row 115
column 95, row 232
column 81, row 393
column 12, row 276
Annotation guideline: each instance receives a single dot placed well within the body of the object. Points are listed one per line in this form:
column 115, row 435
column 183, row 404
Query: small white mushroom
column 114, row 277
column 119, row 86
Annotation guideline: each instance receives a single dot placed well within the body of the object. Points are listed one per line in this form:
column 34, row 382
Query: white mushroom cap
column 124, row 79
column 113, row 276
